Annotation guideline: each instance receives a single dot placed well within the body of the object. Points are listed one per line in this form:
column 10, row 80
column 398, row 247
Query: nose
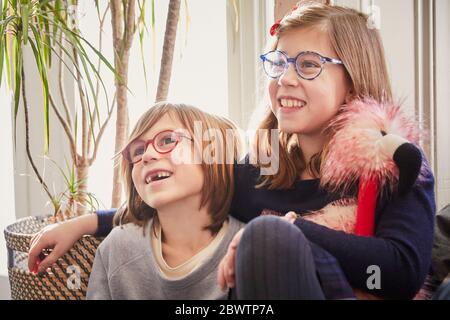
column 150, row 154
column 289, row 77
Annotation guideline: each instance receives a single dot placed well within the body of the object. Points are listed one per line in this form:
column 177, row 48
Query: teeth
column 163, row 174
column 289, row 103
column 157, row 175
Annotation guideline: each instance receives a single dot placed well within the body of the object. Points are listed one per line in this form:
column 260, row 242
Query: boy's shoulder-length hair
column 359, row 46
column 204, row 128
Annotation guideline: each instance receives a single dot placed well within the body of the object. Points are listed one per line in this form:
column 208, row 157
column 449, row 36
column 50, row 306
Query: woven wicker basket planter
column 69, row 276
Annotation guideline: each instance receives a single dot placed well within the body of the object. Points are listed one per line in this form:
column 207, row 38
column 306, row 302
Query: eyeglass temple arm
column 335, row 61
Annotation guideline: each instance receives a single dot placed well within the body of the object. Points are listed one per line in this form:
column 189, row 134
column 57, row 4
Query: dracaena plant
column 124, row 23
column 49, row 29
column 67, row 202
column 53, row 35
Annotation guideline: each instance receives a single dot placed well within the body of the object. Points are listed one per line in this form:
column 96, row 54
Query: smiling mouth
column 157, row 176
column 291, row 103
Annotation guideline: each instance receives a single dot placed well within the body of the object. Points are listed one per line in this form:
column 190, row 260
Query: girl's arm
column 61, row 237
column 401, row 247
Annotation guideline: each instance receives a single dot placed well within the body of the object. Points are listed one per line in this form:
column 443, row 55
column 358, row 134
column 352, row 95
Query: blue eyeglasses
column 308, row 64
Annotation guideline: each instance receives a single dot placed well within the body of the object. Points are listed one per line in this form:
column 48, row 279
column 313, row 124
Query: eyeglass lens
column 308, row 65
column 163, row 142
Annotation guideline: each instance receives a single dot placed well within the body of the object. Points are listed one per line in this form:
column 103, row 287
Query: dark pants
column 274, row 261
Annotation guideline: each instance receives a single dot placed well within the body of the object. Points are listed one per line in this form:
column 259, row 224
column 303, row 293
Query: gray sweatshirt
column 125, row 268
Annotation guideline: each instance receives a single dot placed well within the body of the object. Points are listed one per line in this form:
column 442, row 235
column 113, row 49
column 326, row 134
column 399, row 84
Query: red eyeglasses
column 163, row 142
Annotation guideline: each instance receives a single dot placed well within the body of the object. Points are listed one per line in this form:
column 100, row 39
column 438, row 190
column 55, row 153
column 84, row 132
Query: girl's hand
column 60, row 238
column 226, row 274
column 290, row 217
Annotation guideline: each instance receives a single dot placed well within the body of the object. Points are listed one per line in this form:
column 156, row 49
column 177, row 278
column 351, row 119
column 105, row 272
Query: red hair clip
column 274, row 28
column 277, row 24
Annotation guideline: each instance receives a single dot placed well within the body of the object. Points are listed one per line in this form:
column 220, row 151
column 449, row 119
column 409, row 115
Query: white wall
column 199, row 74
column 245, row 45
column 415, row 36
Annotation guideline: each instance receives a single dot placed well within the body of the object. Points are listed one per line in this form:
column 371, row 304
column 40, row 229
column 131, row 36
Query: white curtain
column 7, row 214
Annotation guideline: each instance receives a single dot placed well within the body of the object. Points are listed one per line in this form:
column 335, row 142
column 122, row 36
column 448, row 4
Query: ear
column 349, row 96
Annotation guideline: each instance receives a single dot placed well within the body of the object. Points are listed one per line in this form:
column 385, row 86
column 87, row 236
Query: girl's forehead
column 305, row 39
column 166, row 122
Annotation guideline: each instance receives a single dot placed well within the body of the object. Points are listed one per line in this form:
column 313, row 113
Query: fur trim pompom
column 356, row 152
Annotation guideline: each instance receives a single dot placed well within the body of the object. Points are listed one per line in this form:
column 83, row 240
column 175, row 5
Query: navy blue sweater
column 403, row 229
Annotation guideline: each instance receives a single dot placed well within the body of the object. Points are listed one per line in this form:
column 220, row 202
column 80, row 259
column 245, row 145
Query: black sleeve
column 105, row 222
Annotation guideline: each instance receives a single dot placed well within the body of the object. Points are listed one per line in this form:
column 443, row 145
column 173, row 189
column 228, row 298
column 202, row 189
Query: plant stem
column 168, row 49
column 27, row 139
column 123, row 26
column 82, row 172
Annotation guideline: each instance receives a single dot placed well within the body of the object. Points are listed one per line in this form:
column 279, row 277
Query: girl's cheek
column 134, row 175
column 181, row 155
column 273, row 83
column 273, row 87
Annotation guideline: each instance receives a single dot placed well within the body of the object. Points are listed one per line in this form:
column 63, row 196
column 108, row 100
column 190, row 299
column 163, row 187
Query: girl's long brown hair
column 360, row 49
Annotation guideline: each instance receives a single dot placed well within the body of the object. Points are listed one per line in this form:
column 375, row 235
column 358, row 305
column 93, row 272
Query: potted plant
column 50, row 30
